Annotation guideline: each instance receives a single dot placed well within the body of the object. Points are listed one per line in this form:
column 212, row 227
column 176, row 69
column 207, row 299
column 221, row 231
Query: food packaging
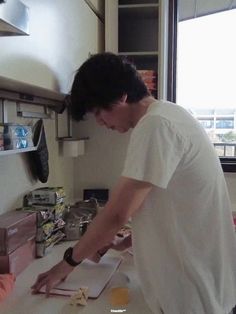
column 44, row 247
column 46, row 213
column 46, row 196
column 73, row 229
column 150, row 79
column 78, row 217
column 17, row 136
column 17, row 131
column 17, row 143
column 15, row 229
column 45, row 231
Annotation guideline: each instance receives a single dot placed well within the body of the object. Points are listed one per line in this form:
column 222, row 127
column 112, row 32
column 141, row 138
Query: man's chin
column 119, row 130
column 122, row 130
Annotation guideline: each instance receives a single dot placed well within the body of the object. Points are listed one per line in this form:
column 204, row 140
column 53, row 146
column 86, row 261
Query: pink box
column 19, row 259
column 16, row 228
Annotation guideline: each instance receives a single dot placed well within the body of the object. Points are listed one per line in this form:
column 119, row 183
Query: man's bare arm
column 126, row 199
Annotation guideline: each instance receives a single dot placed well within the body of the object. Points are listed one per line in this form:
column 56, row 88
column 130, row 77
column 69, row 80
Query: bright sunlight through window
column 206, row 76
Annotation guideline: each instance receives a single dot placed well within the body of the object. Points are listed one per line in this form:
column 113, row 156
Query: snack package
column 46, row 213
column 17, row 136
column 44, row 247
column 78, row 217
column 17, row 131
column 17, row 143
column 46, row 196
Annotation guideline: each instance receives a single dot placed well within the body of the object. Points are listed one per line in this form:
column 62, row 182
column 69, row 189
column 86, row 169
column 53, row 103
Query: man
column 172, row 186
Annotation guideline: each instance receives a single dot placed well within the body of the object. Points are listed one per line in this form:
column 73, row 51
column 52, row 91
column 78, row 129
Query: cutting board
column 95, row 276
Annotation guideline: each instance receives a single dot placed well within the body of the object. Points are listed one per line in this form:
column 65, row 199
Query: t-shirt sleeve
column 154, row 152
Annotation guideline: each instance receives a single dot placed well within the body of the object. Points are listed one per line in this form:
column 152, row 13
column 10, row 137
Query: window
column 225, row 123
column 207, row 123
column 206, row 69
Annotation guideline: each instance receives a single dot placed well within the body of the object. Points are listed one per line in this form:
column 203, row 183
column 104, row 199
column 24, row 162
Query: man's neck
column 140, row 108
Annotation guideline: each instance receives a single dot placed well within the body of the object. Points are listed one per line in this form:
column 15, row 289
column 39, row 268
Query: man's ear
column 123, row 98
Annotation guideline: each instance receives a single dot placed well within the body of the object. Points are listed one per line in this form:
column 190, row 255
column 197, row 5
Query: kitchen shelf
column 142, row 60
column 139, row 53
column 135, row 2
column 14, row 90
column 17, row 151
column 139, row 10
column 138, row 31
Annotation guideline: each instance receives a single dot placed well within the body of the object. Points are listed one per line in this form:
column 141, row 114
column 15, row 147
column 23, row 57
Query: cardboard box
column 15, row 229
column 19, row 259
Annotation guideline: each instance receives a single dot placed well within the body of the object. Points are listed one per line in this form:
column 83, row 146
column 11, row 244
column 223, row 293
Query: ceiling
column 189, row 9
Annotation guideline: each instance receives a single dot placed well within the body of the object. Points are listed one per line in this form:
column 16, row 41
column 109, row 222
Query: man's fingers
column 63, row 279
column 50, row 284
column 40, row 284
column 51, row 278
column 48, row 288
column 39, row 278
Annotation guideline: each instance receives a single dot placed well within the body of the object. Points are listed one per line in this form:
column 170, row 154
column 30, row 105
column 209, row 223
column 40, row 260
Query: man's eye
column 95, row 111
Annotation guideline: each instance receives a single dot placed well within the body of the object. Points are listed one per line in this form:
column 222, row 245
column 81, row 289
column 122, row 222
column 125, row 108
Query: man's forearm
column 126, row 199
column 99, row 233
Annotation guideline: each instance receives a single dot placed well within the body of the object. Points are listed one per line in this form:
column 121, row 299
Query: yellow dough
column 80, row 298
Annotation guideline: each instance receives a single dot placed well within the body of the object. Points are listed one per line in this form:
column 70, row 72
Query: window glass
column 206, row 71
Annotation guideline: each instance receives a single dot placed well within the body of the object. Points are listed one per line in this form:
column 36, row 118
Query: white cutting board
column 95, row 276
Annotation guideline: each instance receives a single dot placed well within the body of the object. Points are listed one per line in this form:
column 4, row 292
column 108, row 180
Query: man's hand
column 99, row 254
column 51, row 278
column 118, row 244
column 122, row 243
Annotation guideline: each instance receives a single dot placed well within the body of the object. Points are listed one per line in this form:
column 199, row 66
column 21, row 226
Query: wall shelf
column 139, row 10
column 17, row 151
column 26, row 93
column 139, row 53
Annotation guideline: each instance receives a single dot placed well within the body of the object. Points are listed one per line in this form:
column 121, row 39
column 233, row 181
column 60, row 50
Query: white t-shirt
column 183, row 237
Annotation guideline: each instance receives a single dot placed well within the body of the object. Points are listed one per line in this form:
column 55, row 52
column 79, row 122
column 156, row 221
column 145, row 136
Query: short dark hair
column 102, row 80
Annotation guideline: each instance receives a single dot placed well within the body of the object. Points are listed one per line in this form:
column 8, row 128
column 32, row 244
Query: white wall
column 103, row 161
column 231, row 183
column 62, row 34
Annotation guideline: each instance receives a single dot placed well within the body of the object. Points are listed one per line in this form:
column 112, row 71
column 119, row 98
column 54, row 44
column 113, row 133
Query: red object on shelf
column 147, row 72
column 150, row 79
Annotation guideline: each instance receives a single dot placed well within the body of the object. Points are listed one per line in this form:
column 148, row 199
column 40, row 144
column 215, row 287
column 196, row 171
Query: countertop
column 21, row 301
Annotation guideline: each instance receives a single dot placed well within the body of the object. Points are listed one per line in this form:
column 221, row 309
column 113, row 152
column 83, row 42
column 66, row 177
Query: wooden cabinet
column 137, row 29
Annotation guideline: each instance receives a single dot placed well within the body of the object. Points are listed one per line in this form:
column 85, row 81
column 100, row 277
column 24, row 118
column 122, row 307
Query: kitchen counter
column 21, row 301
